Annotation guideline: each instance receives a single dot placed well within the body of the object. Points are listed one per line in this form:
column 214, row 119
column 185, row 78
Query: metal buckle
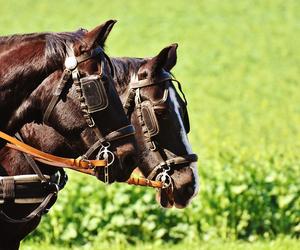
column 91, row 122
column 164, row 177
column 152, row 146
column 51, row 187
column 84, row 159
column 107, row 155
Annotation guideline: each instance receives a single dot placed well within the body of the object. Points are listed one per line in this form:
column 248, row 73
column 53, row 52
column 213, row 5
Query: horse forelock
column 125, row 68
column 56, row 43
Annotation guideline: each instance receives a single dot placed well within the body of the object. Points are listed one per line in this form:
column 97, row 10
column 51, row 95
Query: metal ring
column 105, row 144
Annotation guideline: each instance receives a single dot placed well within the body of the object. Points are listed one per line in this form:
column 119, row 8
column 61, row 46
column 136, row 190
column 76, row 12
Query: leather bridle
column 161, row 171
column 71, row 72
column 50, row 185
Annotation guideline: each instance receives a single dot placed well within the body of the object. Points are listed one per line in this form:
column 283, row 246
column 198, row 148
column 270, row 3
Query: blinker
column 94, row 93
column 150, row 119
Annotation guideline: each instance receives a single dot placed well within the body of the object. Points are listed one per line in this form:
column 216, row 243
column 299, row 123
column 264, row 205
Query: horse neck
column 23, row 68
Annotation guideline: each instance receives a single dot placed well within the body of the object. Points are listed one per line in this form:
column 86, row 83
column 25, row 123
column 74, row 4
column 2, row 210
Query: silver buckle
column 107, row 155
column 164, row 177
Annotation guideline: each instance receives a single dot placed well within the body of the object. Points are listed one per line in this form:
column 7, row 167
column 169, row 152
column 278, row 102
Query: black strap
column 180, row 89
column 173, row 161
column 115, row 135
column 56, row 95
column 92, row 149
column 38, row 212
column 31, row 162
column 120, row 133
column 147, row 82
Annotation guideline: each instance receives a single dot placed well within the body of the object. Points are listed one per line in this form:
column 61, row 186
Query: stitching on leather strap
column 8, row 185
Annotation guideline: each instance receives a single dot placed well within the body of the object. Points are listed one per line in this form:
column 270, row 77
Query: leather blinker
column 150, row 119
column 94, row 93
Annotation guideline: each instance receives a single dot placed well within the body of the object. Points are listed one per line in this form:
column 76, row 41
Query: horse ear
column 166, row 59
column 98, row 35
column 172, row 58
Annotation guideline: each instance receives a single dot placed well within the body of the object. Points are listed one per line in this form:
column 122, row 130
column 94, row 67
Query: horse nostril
column 129, row 161
column 190, row 190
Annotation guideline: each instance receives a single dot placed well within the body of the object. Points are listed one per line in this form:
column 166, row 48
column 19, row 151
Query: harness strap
column 56, row 95
column 173, row 161
column 115, row 135
column 31, row 162
column 35, row 213
column 137, row 181
column 78, row 164
column 88, row 55
column 145, row 82
column 120, row 133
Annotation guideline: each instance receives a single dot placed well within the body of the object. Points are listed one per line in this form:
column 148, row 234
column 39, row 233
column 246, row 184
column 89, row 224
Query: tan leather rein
column 78, row 164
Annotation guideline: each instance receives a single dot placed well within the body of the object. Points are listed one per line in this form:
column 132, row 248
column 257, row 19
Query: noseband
column 150, row 127
column 93, row 98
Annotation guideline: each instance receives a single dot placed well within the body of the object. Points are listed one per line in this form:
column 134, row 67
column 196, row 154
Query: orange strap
column 78, row 164
column 136, row 179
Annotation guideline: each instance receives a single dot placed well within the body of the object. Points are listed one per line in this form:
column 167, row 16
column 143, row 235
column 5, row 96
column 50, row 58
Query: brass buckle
column 90, row 165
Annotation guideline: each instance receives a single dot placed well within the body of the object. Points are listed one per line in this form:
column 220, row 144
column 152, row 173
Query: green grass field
column 238, row 62
column 280, row 244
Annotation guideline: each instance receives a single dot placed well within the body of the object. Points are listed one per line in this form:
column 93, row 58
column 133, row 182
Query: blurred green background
column 238, row 62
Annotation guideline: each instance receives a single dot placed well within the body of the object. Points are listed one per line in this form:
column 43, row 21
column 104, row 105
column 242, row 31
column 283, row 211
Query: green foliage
column 278, row 244
column 238, row 62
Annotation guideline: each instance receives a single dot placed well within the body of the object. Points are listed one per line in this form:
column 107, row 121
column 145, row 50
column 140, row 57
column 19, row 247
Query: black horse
column 66, row 59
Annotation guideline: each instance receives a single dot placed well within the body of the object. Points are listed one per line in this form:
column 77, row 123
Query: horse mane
column 55, row 42
column 124, row 68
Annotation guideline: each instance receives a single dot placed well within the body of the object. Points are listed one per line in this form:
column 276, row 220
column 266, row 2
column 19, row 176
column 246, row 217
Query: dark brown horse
column 26, row 60
column 159, row 115
column 171, row 140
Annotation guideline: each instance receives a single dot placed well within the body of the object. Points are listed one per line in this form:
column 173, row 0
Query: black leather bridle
column 86, row 88
column 93, row 98
column 150, row 127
